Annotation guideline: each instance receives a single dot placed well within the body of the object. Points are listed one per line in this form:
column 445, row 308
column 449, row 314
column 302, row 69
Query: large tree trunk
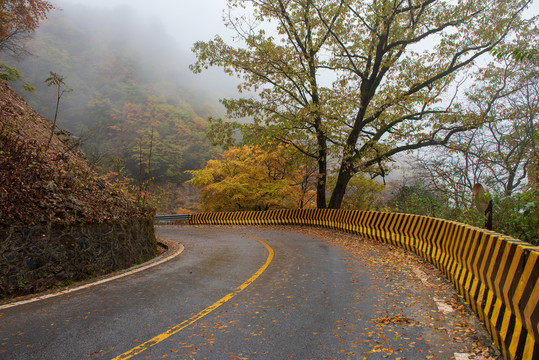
column 347, row 164
column 340, row 189
column 322, row 175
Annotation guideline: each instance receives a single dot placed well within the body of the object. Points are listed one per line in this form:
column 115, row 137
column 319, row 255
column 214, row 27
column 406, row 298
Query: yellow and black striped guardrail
column 497, row 275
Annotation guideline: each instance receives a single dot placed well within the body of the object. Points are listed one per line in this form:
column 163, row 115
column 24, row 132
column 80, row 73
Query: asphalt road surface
column 256, row 293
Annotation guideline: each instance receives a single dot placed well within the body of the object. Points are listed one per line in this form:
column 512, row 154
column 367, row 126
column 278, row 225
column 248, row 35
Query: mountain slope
column 50, row 184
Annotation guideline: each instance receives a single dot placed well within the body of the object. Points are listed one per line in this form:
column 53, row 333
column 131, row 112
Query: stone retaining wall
column 38, row 258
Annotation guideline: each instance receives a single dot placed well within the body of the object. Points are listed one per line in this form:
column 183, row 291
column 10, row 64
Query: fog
column 182, row 23
column 186, row 21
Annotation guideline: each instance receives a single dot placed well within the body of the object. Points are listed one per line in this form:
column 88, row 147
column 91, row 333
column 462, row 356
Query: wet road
column 254, row 293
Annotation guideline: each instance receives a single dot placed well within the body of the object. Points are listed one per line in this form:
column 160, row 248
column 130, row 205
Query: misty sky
column 185, row 20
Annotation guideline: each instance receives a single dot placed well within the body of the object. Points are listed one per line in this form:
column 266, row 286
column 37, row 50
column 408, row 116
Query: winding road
column 255, row 293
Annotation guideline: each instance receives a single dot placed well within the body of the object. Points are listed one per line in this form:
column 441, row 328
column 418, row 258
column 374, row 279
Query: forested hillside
column 126, row 91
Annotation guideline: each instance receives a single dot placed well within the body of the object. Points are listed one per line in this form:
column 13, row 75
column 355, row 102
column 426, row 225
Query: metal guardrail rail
column 168, row 219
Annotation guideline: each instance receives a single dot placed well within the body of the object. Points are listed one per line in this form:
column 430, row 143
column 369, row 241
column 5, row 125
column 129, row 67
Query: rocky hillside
column 50, row 183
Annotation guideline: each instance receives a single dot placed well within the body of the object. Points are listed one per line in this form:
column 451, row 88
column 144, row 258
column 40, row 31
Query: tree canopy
column 252, row 178
column 355, row 82
column 18, row 18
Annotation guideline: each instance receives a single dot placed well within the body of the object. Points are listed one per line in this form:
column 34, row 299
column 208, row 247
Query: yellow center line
column 177, row 328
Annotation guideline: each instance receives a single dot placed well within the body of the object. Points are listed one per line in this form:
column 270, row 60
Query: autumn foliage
column 172, row 137
column 40, row 187
column 20, row 16
column 252, row 178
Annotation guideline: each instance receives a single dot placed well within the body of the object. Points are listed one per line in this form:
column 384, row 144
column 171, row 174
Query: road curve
column 310, row 300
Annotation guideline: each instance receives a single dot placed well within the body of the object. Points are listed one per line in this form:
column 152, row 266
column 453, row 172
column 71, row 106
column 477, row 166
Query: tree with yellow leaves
column 252, row 178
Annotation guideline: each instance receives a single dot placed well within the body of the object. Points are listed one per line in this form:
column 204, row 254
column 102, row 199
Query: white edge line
column 130, row 271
